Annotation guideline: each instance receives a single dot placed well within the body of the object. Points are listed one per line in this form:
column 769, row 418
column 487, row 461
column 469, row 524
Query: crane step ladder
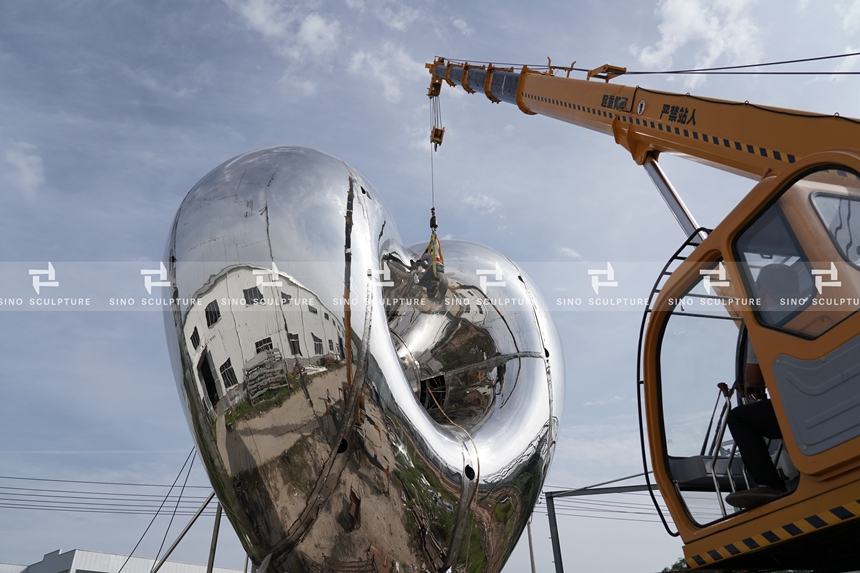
column 718, row 468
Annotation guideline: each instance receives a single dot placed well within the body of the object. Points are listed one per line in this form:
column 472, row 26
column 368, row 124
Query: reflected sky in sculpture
column 343, row 411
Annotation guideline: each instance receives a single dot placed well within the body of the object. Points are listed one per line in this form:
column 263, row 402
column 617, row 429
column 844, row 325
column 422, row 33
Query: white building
column 238, row 320
column 78, row 561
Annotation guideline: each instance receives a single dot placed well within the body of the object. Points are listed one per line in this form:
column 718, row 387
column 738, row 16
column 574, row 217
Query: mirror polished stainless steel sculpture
column 348, row 410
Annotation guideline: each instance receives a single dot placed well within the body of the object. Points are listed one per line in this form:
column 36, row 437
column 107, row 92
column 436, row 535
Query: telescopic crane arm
column 795, row 220
column 739, row 137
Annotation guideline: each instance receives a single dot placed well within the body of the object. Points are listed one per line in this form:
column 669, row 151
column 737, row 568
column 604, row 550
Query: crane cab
column 780, row 278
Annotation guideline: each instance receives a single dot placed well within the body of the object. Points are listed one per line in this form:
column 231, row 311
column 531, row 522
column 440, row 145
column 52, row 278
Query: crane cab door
column 778, row 282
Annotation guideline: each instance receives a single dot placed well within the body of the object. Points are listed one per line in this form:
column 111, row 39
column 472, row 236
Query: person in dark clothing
column 754, row 421
column 750, row 424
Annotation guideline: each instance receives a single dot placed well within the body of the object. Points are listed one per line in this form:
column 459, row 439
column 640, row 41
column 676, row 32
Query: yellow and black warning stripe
column 669, row 128
column 815, row 522
column 716, row 140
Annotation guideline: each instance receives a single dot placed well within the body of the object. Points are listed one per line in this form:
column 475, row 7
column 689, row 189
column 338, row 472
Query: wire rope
column 720, row 70
column 190, row 454
column 98, row 482
column 173, row 515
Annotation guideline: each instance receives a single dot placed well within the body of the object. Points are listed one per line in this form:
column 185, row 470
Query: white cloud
column 319, row 36
column 145, row 79
column 483, row 202
column 418, row 134
column 850, row 14
column 269, row 17
column 395, row 15
column 25, row 170
column 592, row 452
column 390, row 66
column 568, row 252
column 295, row 33
column 463, row 27
column 509, row 130
column 296, row 87
column 719, row 30
column 846, row 65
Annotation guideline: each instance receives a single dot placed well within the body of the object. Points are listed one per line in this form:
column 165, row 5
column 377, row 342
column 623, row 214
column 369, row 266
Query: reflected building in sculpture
column 348, row 417
column 269, row 328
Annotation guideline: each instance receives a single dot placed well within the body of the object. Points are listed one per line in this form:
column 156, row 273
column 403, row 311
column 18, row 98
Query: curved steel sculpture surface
column 347, row 406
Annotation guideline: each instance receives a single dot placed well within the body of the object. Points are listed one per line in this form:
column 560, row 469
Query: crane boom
column 802, row 331
column 740, row 137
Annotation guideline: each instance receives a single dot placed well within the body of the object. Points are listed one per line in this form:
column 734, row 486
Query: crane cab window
column 700, row 348
column 776, row 269
column 799, row 258
column 840, row 214
column 808, row 237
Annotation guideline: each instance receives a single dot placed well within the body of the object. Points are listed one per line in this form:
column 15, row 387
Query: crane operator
column 750, row 423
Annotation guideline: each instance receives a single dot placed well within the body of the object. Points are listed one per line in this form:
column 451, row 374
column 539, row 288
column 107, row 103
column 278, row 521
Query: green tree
column 679, row 565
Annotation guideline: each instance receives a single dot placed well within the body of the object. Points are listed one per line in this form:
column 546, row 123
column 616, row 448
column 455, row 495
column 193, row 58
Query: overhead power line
column 730, row 73
column 134, row 498
column 35, row 507
column 721, row 70
column 23, row 491
column 21, row 478
column 761, row 65
column 103, row 497
column 190, row 456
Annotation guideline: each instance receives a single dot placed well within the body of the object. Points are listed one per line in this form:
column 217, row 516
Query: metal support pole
column 215, row 529
column 589, row 490
column 553, row 532
column 673, row 200
column 592, row 490
column 182, row 534
column 531, row 546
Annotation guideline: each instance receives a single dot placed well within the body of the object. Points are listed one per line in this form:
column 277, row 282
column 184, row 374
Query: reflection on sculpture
column 345, row 415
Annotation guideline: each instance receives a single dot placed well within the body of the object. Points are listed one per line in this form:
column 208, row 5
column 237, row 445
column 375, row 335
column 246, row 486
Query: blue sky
column 113, row 110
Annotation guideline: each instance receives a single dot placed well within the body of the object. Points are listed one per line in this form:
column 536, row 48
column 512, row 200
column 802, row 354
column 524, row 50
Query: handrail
column 694, row 240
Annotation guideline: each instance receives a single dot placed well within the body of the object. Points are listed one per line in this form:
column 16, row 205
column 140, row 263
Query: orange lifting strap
column 434, row 247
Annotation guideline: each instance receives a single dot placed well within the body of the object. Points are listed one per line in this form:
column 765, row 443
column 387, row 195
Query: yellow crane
column 716, row 310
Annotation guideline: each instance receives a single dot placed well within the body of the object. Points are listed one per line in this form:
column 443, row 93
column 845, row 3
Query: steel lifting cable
column 433, row 247
column 436, row 118
column 436, row 134
column 432, row 185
